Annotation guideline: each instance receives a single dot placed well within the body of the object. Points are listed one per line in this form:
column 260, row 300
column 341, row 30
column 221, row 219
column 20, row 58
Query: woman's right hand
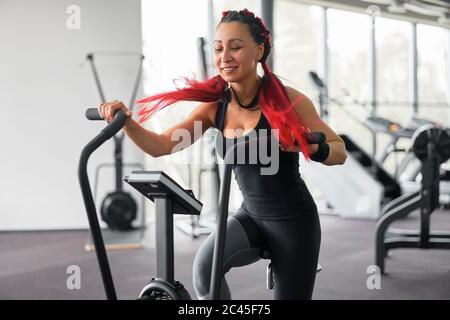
column 108, row 109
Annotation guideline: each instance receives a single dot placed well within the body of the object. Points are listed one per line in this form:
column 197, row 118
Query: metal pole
column 323, row 66
column 90, row 57
column 96, row 232
column 373, row 86
column 267, row 16
column 448, row 81
column 164, row 239
column 219, row 246
column 109, row 131
column 414, row 87
column 209, row 40
column 137, row 82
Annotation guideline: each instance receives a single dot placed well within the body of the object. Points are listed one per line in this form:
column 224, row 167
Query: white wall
column 43, row 95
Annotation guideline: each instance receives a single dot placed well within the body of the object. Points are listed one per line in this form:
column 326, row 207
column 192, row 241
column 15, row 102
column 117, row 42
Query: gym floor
column 34, row 264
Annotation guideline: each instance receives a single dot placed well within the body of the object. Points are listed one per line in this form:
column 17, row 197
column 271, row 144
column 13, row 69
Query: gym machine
column 431, row 146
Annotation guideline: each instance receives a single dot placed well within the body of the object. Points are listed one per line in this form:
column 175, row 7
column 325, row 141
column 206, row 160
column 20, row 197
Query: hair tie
column 246, row 12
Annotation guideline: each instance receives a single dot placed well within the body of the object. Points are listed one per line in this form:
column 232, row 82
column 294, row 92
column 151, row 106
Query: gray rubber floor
column 33, row 265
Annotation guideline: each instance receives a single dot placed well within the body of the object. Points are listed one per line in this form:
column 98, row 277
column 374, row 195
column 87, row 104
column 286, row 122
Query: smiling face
column 236, row 54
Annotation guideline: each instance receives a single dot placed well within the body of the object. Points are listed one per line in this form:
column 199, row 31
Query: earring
column 228, row 92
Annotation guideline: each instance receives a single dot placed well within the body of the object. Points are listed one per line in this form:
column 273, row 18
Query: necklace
column 252, row 103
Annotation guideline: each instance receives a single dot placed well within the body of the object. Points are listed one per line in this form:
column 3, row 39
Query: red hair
column 273, row 97
column 210, row 90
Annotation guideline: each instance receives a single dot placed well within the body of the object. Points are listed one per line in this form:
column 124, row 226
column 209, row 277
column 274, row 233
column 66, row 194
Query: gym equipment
column 169, row 199
column 408, row 169
column 118, row 209
column 108, row 132
column 376, row 124
column 432, row 147
column 368, row 185
column 396, row 131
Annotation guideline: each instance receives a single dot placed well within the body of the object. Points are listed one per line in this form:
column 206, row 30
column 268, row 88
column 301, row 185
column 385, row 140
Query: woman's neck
column 246, row 89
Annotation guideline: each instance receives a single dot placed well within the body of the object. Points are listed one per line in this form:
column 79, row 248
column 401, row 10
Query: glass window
column 349, row 75
column 297, row 44
column 393, row 41
column 433, row 73
column 393, row 45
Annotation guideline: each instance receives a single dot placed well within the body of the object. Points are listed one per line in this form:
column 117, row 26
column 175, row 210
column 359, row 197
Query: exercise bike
column 169, row 199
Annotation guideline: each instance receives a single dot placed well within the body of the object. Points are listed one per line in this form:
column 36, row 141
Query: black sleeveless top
column 276, row 196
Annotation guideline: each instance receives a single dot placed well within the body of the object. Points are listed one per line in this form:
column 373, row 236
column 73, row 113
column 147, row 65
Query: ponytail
column 281, row 114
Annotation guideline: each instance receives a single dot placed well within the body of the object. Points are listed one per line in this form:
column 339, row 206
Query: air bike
column 169, row 198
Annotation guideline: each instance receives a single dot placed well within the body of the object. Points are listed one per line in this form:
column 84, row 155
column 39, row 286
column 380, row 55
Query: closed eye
column 234, row 49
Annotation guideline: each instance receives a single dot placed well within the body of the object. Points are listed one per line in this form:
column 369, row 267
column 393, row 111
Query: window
column 393, row 44
column 349, row 75
column 393, row 41
column 297, row 44
column 433, row 73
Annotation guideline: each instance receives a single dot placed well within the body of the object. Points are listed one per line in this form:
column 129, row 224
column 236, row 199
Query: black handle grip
column 93, row 114
column 316, row 138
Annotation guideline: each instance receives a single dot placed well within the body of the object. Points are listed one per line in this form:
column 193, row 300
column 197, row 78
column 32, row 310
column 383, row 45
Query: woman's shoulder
column 294, row 93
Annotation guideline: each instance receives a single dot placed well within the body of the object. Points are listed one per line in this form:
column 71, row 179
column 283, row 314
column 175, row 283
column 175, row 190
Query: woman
column 278, row 212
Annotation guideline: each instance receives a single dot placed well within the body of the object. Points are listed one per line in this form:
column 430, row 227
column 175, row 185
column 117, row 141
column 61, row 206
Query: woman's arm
column 176, row 138
column 310, row 118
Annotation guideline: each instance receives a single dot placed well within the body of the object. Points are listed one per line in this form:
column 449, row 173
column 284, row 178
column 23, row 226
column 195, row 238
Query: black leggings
column 294, row 248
